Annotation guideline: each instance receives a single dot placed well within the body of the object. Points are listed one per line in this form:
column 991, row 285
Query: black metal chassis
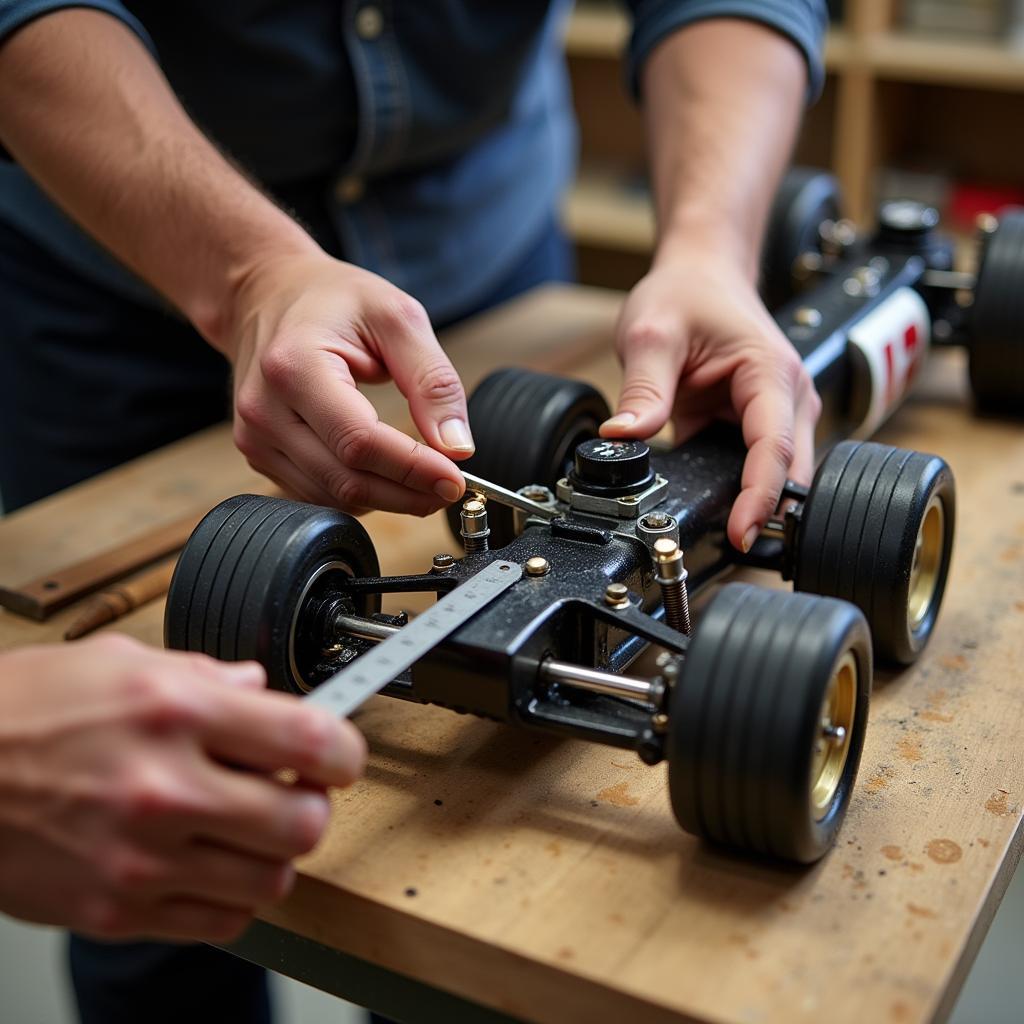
column 491, row 665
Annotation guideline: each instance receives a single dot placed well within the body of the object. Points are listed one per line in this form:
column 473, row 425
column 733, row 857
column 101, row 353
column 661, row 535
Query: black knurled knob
column 610, row 467
column 906, row 222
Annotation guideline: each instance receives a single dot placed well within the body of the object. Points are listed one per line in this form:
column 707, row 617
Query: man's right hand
column 302, row 330
column 108, row 140
column 136, row 794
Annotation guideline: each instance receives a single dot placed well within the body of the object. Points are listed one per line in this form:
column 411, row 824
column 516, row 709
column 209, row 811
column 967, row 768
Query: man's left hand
column 697, row 344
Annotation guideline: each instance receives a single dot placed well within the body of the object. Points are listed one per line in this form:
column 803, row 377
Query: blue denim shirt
column 444, row 126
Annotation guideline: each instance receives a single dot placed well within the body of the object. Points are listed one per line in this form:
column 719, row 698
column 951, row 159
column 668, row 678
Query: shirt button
column 369, row 22
column 349, row 190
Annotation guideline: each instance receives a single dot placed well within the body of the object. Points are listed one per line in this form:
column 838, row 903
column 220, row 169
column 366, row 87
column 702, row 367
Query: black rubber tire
column 746, row 714
column 526, row 426
column 239, row 580
column 858, row 534
column 996, row 351
column 805, row 199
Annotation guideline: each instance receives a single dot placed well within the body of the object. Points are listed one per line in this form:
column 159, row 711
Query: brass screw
column 537, row 566
column 442, row 563
column 616, row 595
column 671, row 577
column 659, row 723
column 986, row 223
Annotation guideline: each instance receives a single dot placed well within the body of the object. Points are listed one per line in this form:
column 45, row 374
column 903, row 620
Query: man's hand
column 307, row 327
column 135, row 790
column 722, row 100
column 107, row 138
column 697, row 344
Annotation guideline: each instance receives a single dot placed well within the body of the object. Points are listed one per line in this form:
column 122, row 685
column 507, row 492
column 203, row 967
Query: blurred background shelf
column 599, row 30
column 902, row 113
column 595, row 30
column 602, row 209
column 907, row 57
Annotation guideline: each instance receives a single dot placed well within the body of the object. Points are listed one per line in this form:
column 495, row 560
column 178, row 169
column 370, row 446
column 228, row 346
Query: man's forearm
column 722, row 102
column 89, row 115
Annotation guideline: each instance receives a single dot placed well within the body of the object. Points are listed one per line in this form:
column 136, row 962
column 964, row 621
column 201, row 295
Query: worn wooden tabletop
column 546, row 877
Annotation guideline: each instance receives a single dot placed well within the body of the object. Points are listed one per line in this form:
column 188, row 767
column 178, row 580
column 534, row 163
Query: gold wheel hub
column 924, row 573
column 832, row 743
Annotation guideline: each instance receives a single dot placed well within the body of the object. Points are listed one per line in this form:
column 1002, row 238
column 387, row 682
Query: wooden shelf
column 603, row 32
column 596, row 32
column 871, row 115
column 900, row 56
column 601, row 211
column 840, row 50
column 905, row 57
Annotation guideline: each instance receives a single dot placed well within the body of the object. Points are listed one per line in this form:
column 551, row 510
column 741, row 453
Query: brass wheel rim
column 924, row 572
column 833, row 737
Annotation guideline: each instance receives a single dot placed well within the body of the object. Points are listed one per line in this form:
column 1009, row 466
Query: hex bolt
column 650, row 528
column 671, row 577
column 535, row 492
column 538, row 565
column 834, row 734
column 807, row 265
column 442, row 562
column 475, row 530
column 655, row 521
column 845, row 232
column 616, row 595
column 837, row 235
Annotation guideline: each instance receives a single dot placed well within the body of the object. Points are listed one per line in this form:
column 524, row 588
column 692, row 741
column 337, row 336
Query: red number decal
column 890, row 374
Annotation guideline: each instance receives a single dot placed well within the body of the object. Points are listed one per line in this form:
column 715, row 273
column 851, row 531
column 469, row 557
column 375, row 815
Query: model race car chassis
column 574, row 559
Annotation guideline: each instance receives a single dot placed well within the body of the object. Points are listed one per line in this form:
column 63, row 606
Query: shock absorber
column 671, row 577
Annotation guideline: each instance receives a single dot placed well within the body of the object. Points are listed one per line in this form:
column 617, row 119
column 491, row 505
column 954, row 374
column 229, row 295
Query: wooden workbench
column 546, row 879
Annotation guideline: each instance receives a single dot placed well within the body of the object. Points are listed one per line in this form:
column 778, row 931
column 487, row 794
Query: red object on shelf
column 967, row 202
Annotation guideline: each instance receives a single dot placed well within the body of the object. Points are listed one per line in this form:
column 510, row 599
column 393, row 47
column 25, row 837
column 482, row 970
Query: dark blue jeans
column 89, row 380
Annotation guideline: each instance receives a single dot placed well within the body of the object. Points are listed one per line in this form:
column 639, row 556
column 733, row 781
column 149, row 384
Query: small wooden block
column 40, row 598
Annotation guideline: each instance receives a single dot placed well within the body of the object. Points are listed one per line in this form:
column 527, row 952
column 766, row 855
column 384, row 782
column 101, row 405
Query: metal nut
column 535, row 492
column 655, row 520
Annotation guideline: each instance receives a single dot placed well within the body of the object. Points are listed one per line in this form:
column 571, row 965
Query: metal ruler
column 372, row 671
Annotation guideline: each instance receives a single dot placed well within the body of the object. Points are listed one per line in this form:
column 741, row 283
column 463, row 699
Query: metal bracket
column 371, row 672
column 629, row 506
